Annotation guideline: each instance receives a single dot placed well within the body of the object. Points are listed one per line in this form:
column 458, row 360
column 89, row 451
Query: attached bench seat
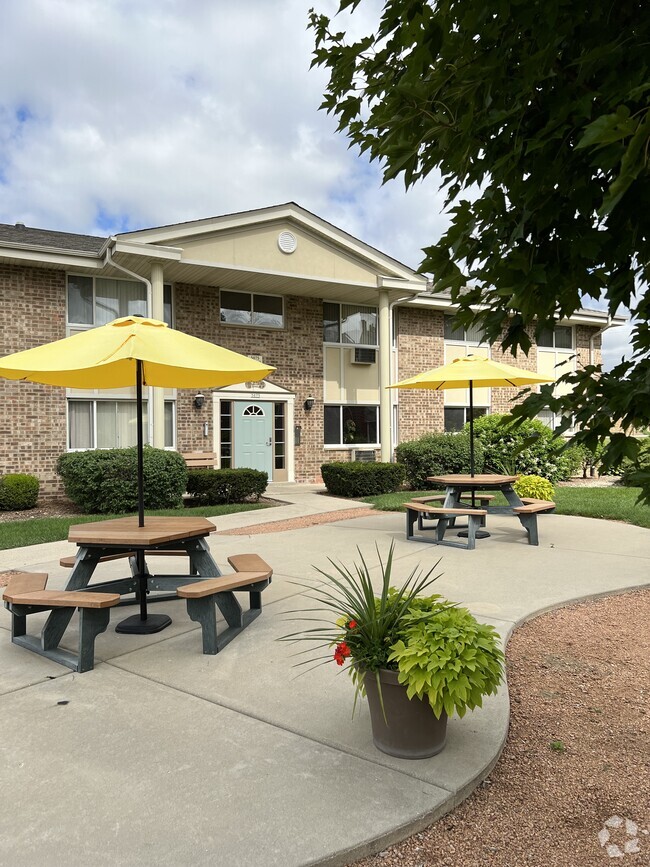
column 415, row 511
column 200, row 460
column 68, row 562
column 252, row 575
column 483, row 500
column 26, row 594
column 527, row 514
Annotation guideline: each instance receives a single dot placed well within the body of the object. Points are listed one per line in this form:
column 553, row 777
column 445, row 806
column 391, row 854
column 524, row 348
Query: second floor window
column 350, row 324
column 560, row 337
column 97, row 300
column 248, row 308
column 473, row 334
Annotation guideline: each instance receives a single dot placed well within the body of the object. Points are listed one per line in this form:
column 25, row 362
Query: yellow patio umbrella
column 132, row 351
column 470, row 371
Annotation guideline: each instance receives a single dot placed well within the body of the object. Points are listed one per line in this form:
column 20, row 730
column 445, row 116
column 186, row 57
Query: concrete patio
column 164, row 756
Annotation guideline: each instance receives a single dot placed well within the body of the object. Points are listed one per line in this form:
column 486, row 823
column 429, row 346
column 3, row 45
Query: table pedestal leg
column 143, row 623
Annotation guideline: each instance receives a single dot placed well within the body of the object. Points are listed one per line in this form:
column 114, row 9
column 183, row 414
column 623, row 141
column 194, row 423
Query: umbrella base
column 480, row 534
column 134, row 625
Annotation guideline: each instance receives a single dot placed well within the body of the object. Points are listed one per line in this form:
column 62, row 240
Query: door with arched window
column 253, row 430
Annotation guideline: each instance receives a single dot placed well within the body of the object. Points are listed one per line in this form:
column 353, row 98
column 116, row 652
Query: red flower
column 352, row 624
column 341, row 652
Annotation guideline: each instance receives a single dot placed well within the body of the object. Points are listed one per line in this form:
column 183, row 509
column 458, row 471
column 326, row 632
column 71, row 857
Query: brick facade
column 33, row 419
column 420, row 346
column 295, row 350
column 33, row 426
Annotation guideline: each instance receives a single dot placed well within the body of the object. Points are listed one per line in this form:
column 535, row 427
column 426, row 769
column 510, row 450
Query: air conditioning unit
column 367, row 455
column 360, row 355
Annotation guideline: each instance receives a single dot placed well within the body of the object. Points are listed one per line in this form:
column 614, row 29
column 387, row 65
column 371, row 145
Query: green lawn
column 34, row 531
column 615, row 504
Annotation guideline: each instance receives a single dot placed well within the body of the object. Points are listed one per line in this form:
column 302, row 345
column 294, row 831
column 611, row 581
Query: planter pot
column 413, row 732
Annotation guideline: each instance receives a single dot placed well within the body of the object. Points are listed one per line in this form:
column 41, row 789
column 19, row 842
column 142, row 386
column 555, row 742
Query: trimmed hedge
column 18, row 491
column 361, row 478
column 218, row 487
column 106, row 481
column 437, row 455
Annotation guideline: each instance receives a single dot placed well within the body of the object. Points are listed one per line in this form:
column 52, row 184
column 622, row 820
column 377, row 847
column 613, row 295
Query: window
column 111, row 424
column 97, row 300
column 560, row 337
column 246, row 308
column 351, row 425
column 279, row 436
column 225, row 428
column 456, row 417
column 473, row 334
column 350, row 324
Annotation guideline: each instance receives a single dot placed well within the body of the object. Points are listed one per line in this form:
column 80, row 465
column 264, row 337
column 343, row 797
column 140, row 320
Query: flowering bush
column 529, row 448
column 440, row 651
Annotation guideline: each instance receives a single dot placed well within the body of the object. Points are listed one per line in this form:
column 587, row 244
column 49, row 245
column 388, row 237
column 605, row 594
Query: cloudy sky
column 124, row 114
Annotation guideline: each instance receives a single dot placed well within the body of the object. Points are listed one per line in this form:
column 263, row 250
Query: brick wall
column 420, row 346
column 33, row 418
column 296, row 351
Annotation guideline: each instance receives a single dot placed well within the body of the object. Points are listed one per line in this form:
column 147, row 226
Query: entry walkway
column 163, row 756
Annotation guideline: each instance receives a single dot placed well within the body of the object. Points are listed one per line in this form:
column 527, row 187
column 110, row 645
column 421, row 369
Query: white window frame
column 341, row 445
column 252, row 324
column 340, row 343
column 85, row 326
column 93, row 401
column 555, row 417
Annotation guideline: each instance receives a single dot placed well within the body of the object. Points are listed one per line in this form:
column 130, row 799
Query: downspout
column 110, row 261
column 592, row 349
column 387, row 448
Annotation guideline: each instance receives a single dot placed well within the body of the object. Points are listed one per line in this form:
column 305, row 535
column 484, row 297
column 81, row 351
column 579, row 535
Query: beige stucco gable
column 258, row 248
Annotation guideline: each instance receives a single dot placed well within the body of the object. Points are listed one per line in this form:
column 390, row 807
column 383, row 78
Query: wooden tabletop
column 125, row 531
column 484, row 480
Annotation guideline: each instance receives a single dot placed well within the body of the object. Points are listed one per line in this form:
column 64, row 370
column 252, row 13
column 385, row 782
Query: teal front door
column 253, row 426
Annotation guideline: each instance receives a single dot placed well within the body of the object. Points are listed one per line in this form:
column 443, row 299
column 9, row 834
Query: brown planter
column 413, row 732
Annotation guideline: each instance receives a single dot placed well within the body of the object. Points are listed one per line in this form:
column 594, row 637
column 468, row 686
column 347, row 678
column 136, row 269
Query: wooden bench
column 251, row 575
column 200, row 460
column 527, row 514
column 25, row 594
column 68, row 562
column 483, row 500
column 415, row 511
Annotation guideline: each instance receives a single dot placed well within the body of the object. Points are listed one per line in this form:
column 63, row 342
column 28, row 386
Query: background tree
column 536, row 114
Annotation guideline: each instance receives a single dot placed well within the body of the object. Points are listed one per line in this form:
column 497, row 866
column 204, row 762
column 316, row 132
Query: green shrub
column 106, row 481
column 18, row 491
column 534, row 487
column 217, row 487
column 630, row 469
column 361, row 478
column 504, row 452
column 436, row 455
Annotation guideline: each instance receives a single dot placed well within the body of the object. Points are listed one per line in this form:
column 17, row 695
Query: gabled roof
column 289, row 211
column 22, row 235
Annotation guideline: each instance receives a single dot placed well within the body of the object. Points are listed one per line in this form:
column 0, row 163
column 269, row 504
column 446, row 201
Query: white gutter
column 592, row 348
column 110, row 261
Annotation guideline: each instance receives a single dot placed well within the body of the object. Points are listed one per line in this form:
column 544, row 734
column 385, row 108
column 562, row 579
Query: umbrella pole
column 142, row 624
column 140, row 442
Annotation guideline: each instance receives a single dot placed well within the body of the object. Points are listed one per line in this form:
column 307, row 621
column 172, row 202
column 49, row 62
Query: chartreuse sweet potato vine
column 446, row 656
column 441, row 652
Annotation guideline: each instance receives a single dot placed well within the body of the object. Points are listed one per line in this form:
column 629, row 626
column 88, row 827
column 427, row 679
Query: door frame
column 264, row 392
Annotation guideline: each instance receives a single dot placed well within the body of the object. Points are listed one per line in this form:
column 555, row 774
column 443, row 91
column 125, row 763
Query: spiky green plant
column 440, row 651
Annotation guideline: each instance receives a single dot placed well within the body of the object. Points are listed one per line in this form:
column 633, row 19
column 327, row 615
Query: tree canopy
column 536, row 113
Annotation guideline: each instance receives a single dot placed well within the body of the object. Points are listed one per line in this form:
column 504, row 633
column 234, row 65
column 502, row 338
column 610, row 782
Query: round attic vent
column 287, row 242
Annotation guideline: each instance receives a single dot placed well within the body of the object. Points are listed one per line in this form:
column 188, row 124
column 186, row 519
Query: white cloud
column 117, row 115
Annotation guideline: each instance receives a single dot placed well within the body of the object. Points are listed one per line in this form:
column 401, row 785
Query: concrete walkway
column 163, row 756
